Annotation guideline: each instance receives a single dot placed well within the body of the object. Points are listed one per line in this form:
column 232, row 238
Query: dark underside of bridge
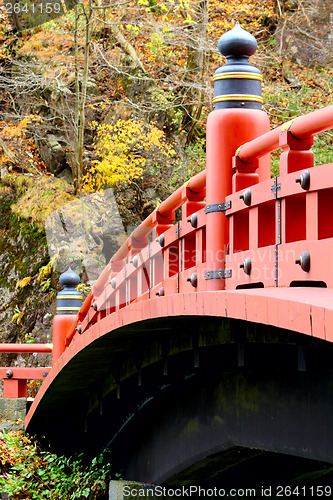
column 197, row 400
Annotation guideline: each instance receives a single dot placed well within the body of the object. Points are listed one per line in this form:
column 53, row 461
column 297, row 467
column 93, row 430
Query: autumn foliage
column 27, row 472
column 125, row 149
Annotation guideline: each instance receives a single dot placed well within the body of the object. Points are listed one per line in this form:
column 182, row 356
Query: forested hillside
column 112, row 98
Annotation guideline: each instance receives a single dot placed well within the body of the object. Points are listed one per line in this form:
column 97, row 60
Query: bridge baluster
column 69, row 302
column 237, row 118
column 296, row 152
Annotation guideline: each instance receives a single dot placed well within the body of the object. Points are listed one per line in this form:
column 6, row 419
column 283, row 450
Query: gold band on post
column 286, row 126
column 70, row 297
column 239, row 148
column 68, row 308
column 234, row 74
column 237, row 97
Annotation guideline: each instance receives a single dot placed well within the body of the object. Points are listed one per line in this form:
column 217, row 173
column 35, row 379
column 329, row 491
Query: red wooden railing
column 15, row 378
column 280, row 234
column 238, row 227
column 272, row 224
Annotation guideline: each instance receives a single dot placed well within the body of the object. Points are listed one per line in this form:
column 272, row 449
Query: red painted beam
column 14, row 388
column 45, row 348
column 262, row 145
column 15, row 385
column 312, row 123
column 301, row 128
column 24, row 373
column 196, row 184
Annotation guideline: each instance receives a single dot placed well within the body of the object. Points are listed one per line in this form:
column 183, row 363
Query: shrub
column 30, row 473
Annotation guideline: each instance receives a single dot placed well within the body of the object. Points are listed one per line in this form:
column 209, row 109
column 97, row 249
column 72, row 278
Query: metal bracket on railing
column 178, row 229
column 150, row 269
column 275, row 187
column 219, row 274
column 217, row 207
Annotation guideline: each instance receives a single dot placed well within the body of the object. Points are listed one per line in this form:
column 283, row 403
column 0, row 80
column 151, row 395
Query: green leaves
column 41, row 474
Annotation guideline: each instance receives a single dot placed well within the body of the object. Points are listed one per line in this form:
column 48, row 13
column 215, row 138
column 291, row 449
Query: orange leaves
column 54, row 47
column 18, row 130
column 252, row 14
column 23, row 282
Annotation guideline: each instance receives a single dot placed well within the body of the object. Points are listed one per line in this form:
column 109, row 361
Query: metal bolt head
column 193, row 280
column 193, row 220
column 246, row 266
column 9, row 373
column 134, row 261
column 304, row 180
column 246, row 197
column 161, row 240
column 304, row 261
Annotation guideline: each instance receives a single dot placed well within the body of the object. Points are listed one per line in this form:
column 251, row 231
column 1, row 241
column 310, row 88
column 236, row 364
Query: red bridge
column 206, row 342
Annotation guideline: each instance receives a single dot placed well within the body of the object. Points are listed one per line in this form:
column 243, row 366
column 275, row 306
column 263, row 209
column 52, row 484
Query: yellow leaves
column 124, row 148
column 99, row 105
column 15, row 130
column 252, row 15
column 4, row 158
column 45, row 271
column 188, row 19
column 17, row 316
column 41, row 198
column 23, row 282
column 133, row 29
column 43, row 277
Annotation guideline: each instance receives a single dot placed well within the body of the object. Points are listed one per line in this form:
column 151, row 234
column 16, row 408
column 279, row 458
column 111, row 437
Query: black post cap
column 237, row 84
column 69, row 300
column 69, row 278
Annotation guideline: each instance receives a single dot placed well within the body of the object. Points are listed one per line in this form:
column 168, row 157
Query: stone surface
column 23, row 251
column 305, row 34
column 86, row 233
column 12, row 408
column 121, row 490
column 12, row 414
column 52, row 153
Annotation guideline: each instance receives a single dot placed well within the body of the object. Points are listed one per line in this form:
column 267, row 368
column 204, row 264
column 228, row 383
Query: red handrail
column 45, row 348
column 301, row 128
column 196, row 185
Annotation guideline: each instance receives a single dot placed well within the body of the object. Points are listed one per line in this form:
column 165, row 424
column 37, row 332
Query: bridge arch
column 131, row 384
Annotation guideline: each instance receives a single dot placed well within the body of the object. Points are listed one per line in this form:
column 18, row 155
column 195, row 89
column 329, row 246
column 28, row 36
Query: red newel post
column 69, row 302
column 236, row 119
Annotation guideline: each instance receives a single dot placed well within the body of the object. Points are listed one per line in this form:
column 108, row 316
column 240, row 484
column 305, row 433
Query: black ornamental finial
column 69, row 300
column 237, row 84
column 237, row 43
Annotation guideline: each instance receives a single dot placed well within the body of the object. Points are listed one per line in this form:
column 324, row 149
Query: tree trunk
column 75, row 160
column 80, row 95
column 196, row 68
column 83, row 95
